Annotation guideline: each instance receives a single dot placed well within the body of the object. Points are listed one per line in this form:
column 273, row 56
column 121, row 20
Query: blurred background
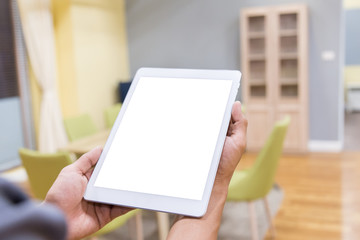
column 66, row 65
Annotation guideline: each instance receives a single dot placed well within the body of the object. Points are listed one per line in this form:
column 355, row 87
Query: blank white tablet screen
column 167, row 137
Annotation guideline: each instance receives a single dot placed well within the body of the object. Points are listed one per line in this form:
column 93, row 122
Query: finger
column 88, row 160
column 234, row 116
column 89, row 173
column 236, row 112
column 117, row 211
column 229, row 128
column 240, row 124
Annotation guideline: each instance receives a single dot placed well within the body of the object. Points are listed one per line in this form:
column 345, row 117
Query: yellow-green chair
column 111, row 114
column 42, row 170
column 256, row 182
column 79, row 127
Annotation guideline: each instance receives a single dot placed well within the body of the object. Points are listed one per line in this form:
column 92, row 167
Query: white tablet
column 164, row 148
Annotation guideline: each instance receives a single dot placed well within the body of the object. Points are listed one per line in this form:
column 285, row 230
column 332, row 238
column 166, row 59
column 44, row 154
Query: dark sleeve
column 22, row 218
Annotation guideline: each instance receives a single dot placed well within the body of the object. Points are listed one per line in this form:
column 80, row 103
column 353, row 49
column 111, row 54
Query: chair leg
column 268, row 214
column 254, row 228
column 163, row 225
column 139, row 226
column 136, row 227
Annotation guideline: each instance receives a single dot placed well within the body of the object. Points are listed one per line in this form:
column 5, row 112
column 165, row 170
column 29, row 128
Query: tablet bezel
column 196, row 208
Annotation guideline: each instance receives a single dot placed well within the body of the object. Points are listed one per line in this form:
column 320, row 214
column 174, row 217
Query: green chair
column 256, row 182
column 111, row 114
column 42, row 170
column 79, row 127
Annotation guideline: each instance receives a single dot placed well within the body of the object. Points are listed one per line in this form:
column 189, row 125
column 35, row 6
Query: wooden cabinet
column 274, row 57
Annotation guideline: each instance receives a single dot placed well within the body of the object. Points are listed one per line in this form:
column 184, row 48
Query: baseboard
column 325, row 146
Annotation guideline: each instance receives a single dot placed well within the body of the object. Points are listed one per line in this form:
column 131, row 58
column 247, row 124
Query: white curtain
column 38, row 28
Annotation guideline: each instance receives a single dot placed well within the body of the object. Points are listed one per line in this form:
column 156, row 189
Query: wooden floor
column 322, row 196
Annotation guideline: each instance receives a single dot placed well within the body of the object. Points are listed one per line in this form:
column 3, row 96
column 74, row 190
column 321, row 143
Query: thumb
column 88, row 160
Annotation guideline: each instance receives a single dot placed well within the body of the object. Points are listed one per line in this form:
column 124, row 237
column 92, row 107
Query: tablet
column 164, row 148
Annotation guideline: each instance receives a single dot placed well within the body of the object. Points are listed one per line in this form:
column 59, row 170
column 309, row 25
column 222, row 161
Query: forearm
column 207, row 226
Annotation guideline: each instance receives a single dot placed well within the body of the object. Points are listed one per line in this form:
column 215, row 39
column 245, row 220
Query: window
column 15, row 103
column 8, row 75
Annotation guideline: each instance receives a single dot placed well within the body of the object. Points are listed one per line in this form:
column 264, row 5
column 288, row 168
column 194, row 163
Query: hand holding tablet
column 85, row 217
column 165, row 146
column 207, row 226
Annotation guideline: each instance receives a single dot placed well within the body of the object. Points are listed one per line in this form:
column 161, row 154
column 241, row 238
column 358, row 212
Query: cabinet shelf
column 289, row 81
column 288, row 68
column 256, row 24
column 258, row 91
column 257, row 69
column 288, row 44
column 257, row 57
column 256, row 35
column 288, row 21
column 288, row 33
column 289, row 56
column 257, row 82
column 289, row 91
column 257, row 46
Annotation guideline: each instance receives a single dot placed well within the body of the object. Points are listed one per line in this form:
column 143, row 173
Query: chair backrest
column 42, row 169
column 264, row 170
column 79, row 127
column 111, row 114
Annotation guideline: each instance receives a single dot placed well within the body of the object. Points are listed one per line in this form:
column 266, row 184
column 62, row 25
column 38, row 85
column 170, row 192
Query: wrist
column 207, row 226
column 221, row 185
